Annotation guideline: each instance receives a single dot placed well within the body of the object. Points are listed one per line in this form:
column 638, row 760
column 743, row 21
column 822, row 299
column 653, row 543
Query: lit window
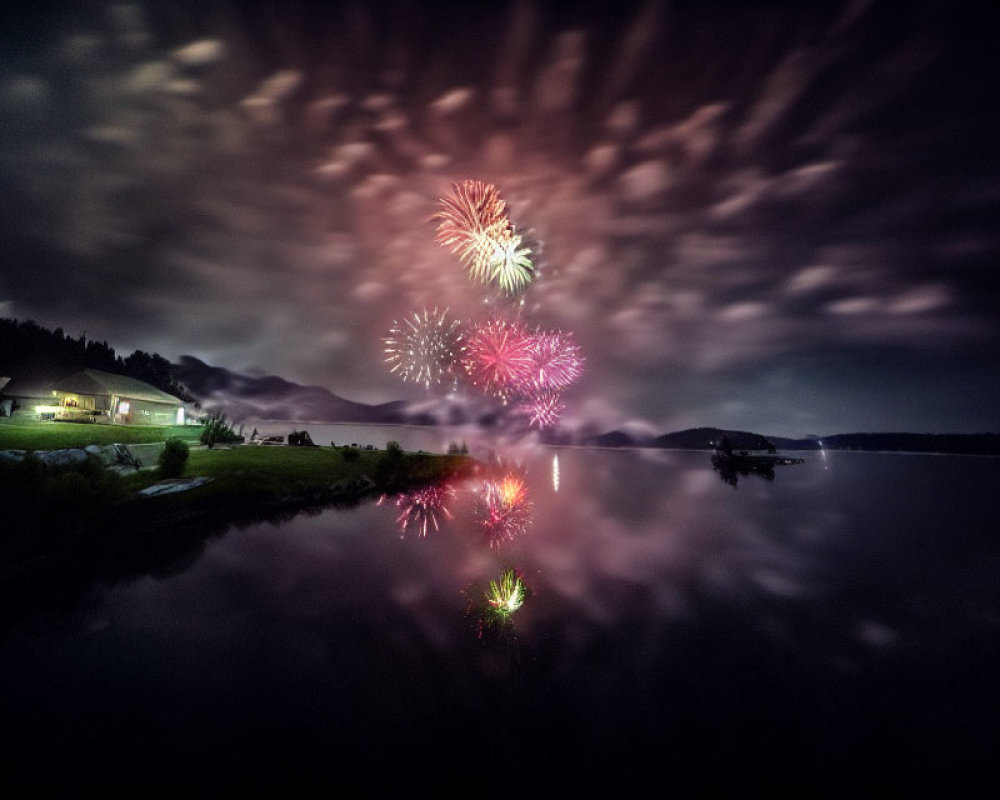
column 124, row 407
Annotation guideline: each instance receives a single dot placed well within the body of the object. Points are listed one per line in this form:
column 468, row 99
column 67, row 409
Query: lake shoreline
column 534, row 439
column 59, row 511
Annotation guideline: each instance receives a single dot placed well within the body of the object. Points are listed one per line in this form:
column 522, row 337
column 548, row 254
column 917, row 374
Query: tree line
column 29, row 351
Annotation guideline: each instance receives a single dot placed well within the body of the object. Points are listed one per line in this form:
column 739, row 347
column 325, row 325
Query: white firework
column 425, row 348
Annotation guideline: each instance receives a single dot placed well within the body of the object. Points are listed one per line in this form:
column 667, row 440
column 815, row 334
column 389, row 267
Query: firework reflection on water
column 503, row 509
column 421, row 508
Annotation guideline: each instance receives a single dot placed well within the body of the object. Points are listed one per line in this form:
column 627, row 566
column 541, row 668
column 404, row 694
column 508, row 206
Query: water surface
column 837, row 622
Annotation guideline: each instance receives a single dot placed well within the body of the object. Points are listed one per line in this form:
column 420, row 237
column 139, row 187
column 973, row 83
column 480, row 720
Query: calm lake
column 835, row 627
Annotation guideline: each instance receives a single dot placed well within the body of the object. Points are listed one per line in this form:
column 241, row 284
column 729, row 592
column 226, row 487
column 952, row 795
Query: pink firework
column 558, row 363
column 498, row 358
column 543, row 408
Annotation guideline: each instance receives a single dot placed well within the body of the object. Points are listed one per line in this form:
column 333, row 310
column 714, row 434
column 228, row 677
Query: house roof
column 95, row 381
column 31, row 386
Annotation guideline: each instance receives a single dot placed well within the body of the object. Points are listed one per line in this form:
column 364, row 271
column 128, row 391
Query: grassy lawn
column 52, row 510
column 250, row 469
column 243, row 473
column 17, row 434
column 262, row 474
column 259, row 476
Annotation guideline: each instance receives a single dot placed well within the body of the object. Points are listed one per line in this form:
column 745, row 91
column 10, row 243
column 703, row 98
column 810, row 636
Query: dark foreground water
column 835, row 629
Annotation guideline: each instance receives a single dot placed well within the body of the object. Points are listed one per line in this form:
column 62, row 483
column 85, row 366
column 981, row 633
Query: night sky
column 778, row 217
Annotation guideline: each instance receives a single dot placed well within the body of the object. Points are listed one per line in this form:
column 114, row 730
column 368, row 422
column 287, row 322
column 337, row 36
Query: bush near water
column 173, row 458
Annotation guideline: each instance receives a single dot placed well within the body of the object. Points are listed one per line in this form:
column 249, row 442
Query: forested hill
column 956, row 443
column 30, row 353
column 710, row 438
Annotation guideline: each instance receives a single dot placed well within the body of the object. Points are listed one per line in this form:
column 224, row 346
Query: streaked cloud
column 689, row 218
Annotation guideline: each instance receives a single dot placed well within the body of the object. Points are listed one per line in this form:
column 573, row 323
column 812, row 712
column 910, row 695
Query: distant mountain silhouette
column 959, row 443
column 709, row 438
column 273, row 398
column 610, row 439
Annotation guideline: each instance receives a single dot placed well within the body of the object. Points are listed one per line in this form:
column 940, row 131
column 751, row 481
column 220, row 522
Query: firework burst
column 498, row 358
column 483, row 251
column 426, row 348
column 511, row 268
column 472, row 216
column 475, row 227
column 543, row 408
column 558, row 363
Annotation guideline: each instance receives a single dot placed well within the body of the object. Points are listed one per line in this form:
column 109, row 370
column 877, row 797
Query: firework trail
column 498, row 358
column 426, row 348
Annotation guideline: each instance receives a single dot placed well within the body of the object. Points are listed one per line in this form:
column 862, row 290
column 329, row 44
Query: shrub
column 350, row 453
column 218, row 431
column 393, row 449
column 173, row 458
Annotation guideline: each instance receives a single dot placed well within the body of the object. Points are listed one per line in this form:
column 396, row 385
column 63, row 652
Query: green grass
column 250, row 469
column 18, row 434
column 57, row 509
column 272, row 470
column 256, row 477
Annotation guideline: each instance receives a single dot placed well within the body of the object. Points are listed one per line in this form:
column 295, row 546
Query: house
column 29, row 395
column 92, row 395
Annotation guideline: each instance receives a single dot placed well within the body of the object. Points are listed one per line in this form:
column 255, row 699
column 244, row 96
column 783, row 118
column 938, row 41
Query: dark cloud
column 714, row 193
